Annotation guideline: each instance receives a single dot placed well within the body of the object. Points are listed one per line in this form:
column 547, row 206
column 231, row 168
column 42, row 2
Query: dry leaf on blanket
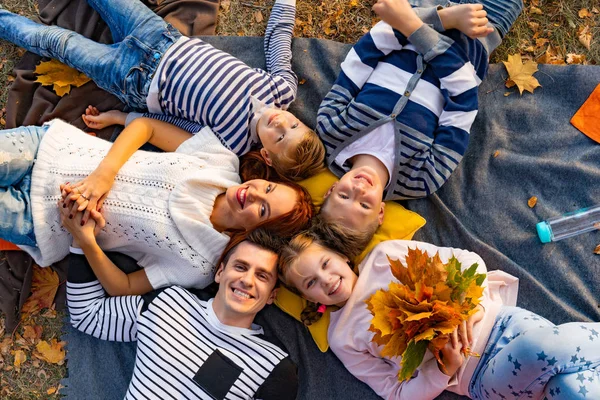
column 44, row 284
column 60, row 76
column 532, row 201
column 521, row 74
column 597, row 250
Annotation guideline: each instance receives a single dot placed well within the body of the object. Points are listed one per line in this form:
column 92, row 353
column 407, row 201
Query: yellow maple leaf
column 60, row 76
column 20, row 358
column 44, row 284
column 52, row 352
column 521, row 74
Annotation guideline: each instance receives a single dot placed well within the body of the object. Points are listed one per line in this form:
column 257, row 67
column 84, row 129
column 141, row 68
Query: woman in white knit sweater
column 170, row 211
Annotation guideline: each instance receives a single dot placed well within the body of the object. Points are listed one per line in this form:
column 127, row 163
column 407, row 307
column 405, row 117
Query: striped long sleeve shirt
column 183, row 350
column 200, row 83
column 426, row 86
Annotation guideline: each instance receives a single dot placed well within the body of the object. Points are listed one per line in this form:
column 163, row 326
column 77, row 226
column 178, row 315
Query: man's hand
column 399, row 14
column 83, row 233
column 470, row 19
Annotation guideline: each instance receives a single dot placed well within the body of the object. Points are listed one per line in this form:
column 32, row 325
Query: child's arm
column 458, row 84
column 382, row 374
column 278, row 47
column 470, row 19
column 114, row 281
column 92, row 311
column 97, row 120
column 90, row 192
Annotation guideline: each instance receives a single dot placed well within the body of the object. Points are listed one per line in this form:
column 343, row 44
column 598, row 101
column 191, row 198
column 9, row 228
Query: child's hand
column 452, row 355
column 97, row 120
column 470, row 19
column 399, row 14
column 465, row 330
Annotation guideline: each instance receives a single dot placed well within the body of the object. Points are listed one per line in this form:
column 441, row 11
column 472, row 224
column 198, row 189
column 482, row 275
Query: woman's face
column 257, row 201
column 322, row 276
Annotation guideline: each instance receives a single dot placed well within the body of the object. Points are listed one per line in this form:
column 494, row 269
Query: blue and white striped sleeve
column 459, row 85
column 278, row 42
column 93, row 312
column 185, row 124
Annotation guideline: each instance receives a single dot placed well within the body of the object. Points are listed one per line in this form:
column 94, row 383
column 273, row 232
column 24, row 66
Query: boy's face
column 356, row 199
column 279, row 131
column 246, row 284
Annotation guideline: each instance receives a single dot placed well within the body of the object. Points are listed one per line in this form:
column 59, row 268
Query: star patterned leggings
column 528, row 357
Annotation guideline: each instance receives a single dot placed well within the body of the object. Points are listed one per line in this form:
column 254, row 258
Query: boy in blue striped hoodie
column 396, row 122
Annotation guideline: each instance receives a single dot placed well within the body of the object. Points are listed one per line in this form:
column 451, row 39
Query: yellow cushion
column 398, row 223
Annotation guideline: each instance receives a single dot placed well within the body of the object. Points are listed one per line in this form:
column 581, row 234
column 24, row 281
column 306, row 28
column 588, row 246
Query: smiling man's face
column 246, row 284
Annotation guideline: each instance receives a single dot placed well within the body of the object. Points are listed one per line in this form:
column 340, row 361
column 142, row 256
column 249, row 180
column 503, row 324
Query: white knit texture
column 149, row 212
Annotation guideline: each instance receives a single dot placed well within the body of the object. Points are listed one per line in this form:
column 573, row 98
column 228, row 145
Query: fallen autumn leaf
column 521, row 74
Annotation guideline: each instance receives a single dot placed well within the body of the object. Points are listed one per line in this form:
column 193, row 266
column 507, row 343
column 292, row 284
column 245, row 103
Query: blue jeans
column 124, row 68
column 18, row 149
column 528, row 356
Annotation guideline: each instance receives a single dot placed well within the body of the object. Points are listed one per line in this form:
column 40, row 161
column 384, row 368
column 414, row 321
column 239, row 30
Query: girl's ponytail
column 312, row 313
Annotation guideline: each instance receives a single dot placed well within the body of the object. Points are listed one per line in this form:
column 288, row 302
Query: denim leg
column 126, row 17
column 124, row 69
column 18, row 148
column 528, row 356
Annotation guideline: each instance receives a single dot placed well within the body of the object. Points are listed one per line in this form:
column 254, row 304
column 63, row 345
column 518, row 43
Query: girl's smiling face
column 322, row 276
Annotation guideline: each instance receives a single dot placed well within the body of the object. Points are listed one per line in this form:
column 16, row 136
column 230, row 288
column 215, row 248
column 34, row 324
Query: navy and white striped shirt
column 199, row 83
column 426, row 88
column 183, row 350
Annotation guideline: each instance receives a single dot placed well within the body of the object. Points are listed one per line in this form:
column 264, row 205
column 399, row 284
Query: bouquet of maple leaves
column 430, row 302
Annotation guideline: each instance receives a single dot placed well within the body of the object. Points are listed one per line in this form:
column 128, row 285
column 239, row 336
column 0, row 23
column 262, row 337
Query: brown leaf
column 258, row 17
column 6, row 345
column 575, row 58
column 44, row 285
column 595, row 10
column 535, row 10
column 597, row 250
column 521, row 74
column 52, row 390
column 225, row 4
column 32, row 333
column 506, row 94
column 20, row 358
column 583, row 13
column 496, row 153
column 52, row 352
column 532, row 201
column 551, row 56
column 540, row 42
column 534, row 26
column 585, row 36
column 302, row 81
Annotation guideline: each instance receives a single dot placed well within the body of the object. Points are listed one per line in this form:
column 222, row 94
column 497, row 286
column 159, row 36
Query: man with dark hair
column 189, row 346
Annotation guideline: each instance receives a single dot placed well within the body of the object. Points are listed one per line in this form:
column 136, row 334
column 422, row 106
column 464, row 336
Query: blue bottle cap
column 544, row 232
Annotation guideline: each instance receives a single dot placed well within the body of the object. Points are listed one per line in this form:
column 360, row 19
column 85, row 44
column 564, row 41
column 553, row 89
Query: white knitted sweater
column 158, row 210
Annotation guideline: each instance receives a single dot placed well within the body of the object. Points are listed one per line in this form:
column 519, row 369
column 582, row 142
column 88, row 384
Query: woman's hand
column 465, row 329
column 399, row 14
column 470, row 19
column 97, row 120
column 89, row 193
column 83, row 233
column 451, row 355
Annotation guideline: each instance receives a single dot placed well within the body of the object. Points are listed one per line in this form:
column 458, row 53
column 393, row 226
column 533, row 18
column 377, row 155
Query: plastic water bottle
column 569, row 224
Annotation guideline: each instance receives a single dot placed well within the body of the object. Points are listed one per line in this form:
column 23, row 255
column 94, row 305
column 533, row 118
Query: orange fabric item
column 4, row 245
column 587, row 118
